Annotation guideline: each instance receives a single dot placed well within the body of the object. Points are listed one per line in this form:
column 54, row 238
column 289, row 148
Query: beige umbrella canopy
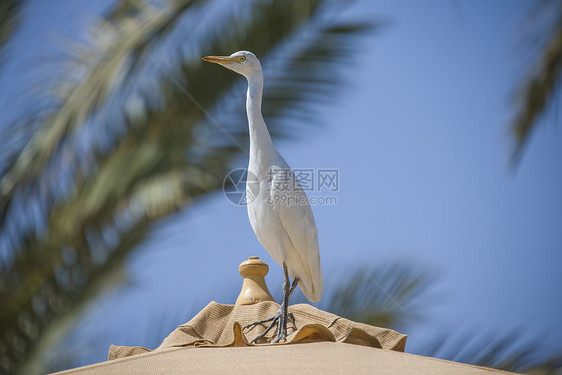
column 215, row 341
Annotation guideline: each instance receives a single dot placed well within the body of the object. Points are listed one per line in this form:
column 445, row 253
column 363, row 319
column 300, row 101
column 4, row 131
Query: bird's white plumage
column 280, row 214
column 285, row 226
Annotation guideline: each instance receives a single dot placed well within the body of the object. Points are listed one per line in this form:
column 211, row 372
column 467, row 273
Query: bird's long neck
column 262, row 149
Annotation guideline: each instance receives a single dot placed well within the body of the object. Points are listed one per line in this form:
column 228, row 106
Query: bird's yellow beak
column 218, row 59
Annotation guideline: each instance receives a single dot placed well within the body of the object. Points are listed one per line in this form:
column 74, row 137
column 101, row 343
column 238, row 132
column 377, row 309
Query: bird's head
column 242, row 62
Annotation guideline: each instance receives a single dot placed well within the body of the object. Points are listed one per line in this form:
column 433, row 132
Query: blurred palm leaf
column 384, row 296
column 540, row 90
column 123, row 142
column 387, row 295
column 395, row 294
column 507, row 352
column 9, row 19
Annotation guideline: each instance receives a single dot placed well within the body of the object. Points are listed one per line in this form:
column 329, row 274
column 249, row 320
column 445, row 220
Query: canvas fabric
column 222, row 325
column 324, row 358
column 215, row 342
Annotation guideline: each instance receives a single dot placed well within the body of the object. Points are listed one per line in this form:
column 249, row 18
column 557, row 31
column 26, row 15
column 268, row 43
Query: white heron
column 280, row 213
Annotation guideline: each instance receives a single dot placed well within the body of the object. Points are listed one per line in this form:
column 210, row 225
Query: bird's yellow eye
column 242, row 58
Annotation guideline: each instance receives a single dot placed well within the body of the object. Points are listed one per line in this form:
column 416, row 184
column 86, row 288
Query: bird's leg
column 281, row 316
column 283, row 311
column 287, row 291
column 295, row 282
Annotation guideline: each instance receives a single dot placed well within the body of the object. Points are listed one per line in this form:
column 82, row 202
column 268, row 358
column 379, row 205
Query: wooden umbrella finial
column 254, row 288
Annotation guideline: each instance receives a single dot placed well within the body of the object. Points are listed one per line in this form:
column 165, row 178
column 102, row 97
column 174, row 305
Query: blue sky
column 424, row 176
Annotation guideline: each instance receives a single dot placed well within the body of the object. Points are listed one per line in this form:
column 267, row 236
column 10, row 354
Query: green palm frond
column 385, row 296
column 9, row 19
column 98, row 69
column 507, row 352
column 539, row 91
column 391, row 296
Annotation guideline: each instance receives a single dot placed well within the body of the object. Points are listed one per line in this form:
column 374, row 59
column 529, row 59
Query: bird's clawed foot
column 282, row 315
column 281, row 319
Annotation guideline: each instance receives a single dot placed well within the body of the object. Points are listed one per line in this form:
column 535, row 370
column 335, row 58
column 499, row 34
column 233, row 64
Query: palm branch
column 9, row 20
column 504, row 351
column 384, row 296
column 393, row 295
column 539, row 91
column 97, row 171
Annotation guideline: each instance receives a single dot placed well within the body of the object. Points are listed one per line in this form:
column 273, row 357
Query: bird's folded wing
column 298, row 221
